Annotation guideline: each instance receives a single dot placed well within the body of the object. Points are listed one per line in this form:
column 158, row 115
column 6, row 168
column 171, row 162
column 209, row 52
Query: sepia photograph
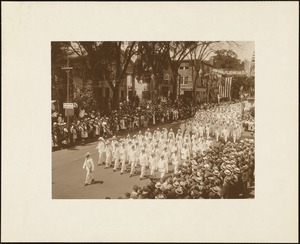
column 153, row 119
column 104, row 102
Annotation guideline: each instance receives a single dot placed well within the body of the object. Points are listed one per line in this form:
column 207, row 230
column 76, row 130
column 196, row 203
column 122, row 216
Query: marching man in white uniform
column 123, row 157
column 175, row 160
column 152, row 163
column 108, row 154
column 143, row 163
column 132, row 158
column 225, row 133
column 162, row 166
column 101, row 151
column 88, row 165
column 116, row 157
column 184, row 153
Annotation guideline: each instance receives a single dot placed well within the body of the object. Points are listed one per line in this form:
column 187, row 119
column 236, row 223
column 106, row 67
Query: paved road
column 68, row 176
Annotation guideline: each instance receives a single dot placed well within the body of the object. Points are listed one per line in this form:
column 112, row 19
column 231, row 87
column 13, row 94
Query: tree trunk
column 175, row 86
column 152, row 89
column 115, row 103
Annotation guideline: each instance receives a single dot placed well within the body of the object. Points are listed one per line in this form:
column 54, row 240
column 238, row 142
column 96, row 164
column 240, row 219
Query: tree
column 106, row 61
column 59, row 53
column 199, row 54
column 227, row 59
column 201, row 51
column 87, row 100
column 150, row 64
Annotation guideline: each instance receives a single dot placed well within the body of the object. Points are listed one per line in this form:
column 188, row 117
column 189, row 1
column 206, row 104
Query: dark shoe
column 130, row 175
column 92, row 181
column 114, row 170
column 121, row 173
column 85, row 184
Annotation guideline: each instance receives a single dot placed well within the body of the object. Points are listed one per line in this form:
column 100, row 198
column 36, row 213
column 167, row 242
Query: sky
column 244, row 50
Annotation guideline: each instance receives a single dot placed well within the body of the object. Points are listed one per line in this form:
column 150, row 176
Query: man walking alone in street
column 88, row 165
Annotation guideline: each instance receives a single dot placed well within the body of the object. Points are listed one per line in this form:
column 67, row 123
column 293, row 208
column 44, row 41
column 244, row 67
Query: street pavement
column 68, row 176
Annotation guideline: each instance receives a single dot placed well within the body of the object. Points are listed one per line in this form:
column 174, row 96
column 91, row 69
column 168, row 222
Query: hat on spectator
column 100, row 139
column 198, row 179
column 228, row 167
column 227, row 172
column 87, row 154
column 158, row 185
column 176, row 184
column 179, row 191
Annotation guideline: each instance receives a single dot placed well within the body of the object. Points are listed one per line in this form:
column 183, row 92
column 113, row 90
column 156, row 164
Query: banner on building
column 225, row 87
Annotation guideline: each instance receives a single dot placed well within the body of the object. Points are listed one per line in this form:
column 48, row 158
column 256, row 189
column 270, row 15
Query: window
column 181, row 79
column 185, row 66
column 186, row 80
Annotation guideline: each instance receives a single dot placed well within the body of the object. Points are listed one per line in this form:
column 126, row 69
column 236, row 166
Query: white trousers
column 123, row 163
column 117, row 162
column 143, row 170
column 108, row 162
column 89, row 176
column 175, row 168
column 234, row 138
column 132, row 167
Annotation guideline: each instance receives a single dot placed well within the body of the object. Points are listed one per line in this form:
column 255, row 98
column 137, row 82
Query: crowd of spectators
column 87, row 125
column 226, row 171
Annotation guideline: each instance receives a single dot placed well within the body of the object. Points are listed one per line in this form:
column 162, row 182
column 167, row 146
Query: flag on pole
column 225, row 87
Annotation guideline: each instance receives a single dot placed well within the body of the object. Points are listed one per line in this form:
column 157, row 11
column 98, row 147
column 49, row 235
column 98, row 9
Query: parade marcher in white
column 101, row 150
column 88, row 165
column 143, row 163
column 116, row 156
column 225, row 133
column 161, row 165
column 123, row 157
column 132, row 158
column 152, row 163
column 108, row 155
column 175, row 161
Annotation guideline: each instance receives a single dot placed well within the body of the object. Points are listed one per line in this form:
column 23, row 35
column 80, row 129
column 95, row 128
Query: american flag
column 225, row 87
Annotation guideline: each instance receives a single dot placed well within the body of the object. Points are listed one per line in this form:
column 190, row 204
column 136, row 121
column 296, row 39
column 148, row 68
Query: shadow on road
column 99, row 182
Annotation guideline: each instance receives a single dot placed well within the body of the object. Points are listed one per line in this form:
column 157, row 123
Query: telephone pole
column 68, row 69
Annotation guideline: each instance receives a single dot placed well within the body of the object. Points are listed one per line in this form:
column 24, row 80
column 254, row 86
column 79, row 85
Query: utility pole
column 68, row 69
